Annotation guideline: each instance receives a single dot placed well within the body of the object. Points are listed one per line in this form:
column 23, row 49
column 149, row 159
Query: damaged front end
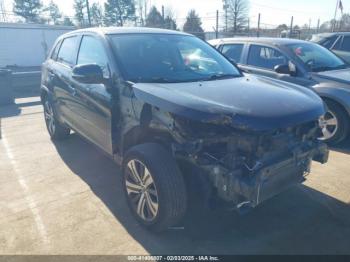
column 245, row 167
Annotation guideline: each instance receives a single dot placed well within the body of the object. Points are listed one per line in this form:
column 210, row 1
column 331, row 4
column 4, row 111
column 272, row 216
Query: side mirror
column 88, row 74
column 286, row 69
column 282, row 69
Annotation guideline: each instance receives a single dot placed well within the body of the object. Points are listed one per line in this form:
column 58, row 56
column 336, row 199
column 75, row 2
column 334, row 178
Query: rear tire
column 157, row 194
column 56, row 130
column 338, row 129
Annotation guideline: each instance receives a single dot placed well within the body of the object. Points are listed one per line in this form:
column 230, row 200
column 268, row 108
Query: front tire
column 56, row 130
column 335, row 124
column 154, row 187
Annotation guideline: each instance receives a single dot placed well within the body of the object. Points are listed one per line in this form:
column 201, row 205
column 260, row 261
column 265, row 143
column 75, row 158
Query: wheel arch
column 146, row 132
column 337, row 102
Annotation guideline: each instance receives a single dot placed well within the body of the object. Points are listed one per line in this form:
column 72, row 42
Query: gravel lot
column 67, row 199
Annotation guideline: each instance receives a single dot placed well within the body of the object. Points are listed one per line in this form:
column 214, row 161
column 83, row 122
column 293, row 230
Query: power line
column 287, row 10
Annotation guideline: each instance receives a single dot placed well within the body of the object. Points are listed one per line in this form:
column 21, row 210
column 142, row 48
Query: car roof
column 332, row 34
column 261, row 40
column 125, row 30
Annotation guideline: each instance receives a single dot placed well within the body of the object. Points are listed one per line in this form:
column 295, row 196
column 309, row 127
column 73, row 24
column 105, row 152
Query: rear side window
column 233, row 51
column 329, row 42
column 265, row 57
column 67, row 53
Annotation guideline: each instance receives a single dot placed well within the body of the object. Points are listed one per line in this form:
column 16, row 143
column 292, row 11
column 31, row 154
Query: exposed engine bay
column 246, row 167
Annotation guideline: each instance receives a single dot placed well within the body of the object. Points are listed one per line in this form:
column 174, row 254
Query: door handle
column 72, row 90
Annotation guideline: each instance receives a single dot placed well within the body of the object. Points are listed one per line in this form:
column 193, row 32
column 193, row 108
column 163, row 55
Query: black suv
column 180, row 119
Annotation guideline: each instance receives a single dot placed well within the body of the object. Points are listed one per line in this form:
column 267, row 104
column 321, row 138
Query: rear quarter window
column 55, row 50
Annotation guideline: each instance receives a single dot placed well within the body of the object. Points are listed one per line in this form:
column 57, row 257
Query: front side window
column 315, row 57
column 170, row 58
column 346, row 44
column 233, row 51
column 265, row 57
column 92, row 52
column 67, row 53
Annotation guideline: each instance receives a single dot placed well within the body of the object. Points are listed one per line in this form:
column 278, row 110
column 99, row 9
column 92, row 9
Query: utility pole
column 226, row 15
column 335, row 17
column 248, row 26
column 309, row 26
column 291, row 27
column 217, row 25
column 88, row 12
column 163, row 12
column 258, row 32
column 318, row 26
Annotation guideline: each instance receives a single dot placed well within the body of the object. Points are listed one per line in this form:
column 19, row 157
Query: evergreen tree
column 79, row 6
column 96, row 14
column 154, row 18
column 53, row 12
column 193, row 25
column 28, row 9
column 117, row 12
column 170, row 23
column 67, row 21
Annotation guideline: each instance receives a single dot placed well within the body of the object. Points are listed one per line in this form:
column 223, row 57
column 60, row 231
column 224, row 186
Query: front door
column 95, row 98
column 262, row 60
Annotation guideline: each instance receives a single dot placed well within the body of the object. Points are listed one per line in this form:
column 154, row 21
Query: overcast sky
column 272, row 12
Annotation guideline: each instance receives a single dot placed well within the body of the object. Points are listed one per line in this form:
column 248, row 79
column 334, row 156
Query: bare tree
column 237, row 14
column 142, row 10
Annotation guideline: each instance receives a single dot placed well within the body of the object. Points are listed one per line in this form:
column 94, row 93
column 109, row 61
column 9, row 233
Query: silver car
column 299, row 62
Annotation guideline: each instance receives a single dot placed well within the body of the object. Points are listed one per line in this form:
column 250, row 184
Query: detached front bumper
column 254, row 186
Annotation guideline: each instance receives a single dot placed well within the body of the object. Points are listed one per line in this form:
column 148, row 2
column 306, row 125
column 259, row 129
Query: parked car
column 302, row 63
column 168, row 107
column 338, row 43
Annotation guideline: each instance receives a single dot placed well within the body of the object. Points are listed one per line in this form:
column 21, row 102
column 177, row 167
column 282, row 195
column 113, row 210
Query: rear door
column 64, row 92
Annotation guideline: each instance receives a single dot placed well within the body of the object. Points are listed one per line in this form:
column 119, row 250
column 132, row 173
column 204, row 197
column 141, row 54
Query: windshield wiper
column 221, row 76
column 329, row 68
column 155, row 80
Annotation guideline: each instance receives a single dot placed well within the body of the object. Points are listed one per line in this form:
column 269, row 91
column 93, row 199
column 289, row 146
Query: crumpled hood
column 340, row 76
column 250, row 102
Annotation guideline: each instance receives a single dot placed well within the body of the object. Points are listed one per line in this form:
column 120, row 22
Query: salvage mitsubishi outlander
column 165, row 106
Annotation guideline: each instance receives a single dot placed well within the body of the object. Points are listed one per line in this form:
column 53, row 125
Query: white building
column 27, row 44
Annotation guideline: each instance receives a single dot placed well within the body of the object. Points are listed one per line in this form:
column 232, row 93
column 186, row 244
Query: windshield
column 164, row 58
column 316, row 57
